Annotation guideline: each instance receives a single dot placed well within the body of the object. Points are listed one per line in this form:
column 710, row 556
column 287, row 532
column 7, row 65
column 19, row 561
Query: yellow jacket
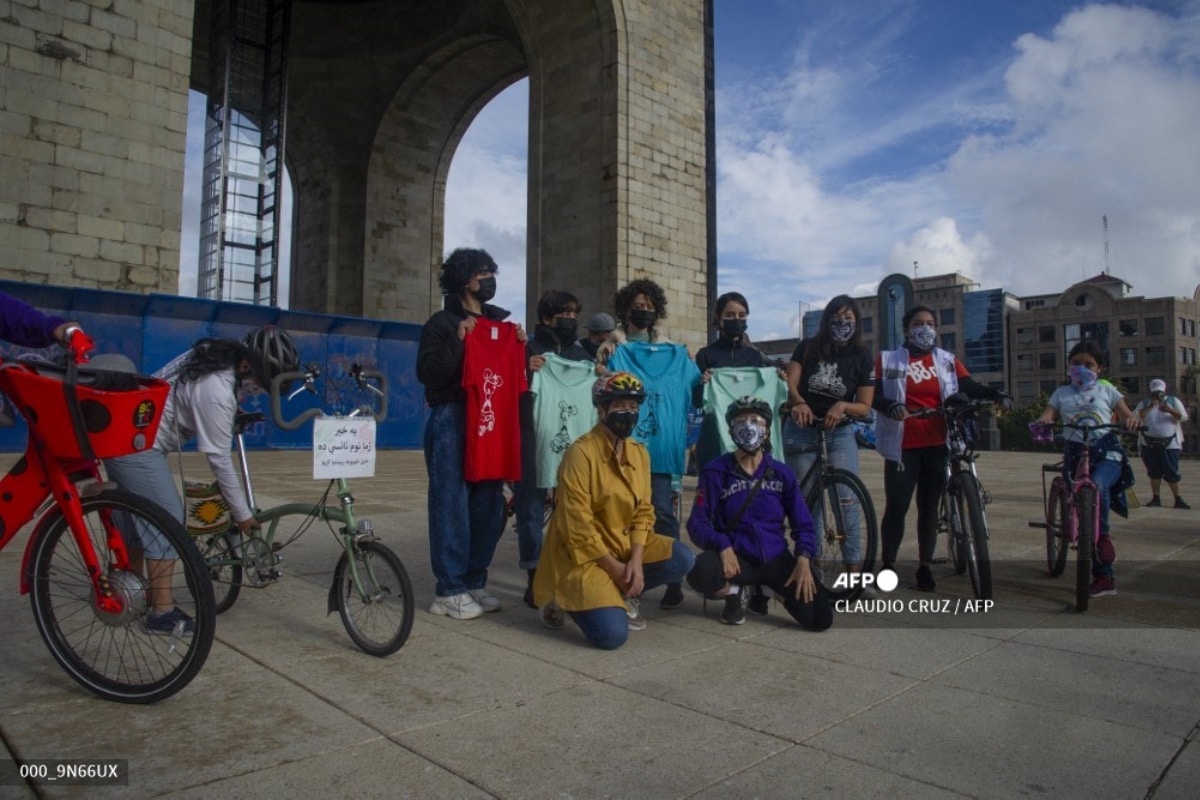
column 601, row 506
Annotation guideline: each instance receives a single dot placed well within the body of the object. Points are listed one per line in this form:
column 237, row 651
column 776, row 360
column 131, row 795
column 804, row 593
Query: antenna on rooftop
column 1105, row 219
column 914, row 269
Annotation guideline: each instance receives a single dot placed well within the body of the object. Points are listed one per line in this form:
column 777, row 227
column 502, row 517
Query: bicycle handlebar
column 308, row 379
column 950, row 410
column 79, row 344
column 1043, row 432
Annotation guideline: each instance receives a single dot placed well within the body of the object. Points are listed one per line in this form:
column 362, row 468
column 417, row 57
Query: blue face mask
column 923, row 336
column 1081, row 376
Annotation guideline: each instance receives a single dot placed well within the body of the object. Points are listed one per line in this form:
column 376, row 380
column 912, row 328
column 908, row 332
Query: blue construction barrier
column 153, row 329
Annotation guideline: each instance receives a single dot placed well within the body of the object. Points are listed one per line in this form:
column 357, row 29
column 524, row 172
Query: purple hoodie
column 760, row 535
column 21, row 323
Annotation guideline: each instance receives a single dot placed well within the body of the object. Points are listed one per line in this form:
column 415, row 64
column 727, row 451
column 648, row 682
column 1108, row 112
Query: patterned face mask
column 1081, row 376
column 748, row 435
column 923, row 336
column 840, row 330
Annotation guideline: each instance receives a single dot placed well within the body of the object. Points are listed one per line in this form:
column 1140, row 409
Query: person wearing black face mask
column 600, row 552
column 557, row 312
column 466, row 518
column 639, row 306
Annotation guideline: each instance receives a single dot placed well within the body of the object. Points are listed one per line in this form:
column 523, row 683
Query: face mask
column 487, row 289
column 747, row 435
column 733, row 328
column 641, row 318
column 564, row 329
column 1082, row 377
column 923, row 336
column 840, row 330
column 621, row 423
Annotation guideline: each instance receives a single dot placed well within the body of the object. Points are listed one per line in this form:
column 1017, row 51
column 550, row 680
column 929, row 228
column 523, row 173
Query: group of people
column 597, row 423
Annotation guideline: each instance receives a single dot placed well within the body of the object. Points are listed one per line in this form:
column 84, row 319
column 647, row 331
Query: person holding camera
column 1161, row 440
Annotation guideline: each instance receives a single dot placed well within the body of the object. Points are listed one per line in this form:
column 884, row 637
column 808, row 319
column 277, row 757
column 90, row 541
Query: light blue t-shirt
column 669, row 374
column 562, row 411
column 730, row 383
column 1094, row 406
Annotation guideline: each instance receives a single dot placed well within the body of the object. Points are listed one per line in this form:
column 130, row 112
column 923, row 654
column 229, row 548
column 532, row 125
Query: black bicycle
column 961, row 511
column 847, row 529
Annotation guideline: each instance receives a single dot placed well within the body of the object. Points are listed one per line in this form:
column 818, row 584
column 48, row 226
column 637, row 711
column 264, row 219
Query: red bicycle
column 83, row 567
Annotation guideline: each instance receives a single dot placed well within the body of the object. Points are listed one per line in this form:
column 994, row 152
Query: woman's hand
column 806, row 586
column 536, row 362
column 706, row 376
column 248, row 526
column 522, row 337
column 802, row 415
column 729, row 563
column 466, row 326
column 834, row 417
column 634, row 580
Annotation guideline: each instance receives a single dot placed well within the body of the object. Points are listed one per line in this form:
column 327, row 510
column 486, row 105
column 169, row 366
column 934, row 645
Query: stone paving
column 1030, row 699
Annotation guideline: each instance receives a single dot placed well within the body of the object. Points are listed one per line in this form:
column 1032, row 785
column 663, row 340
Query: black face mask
column 733, row 328
column 621, row 423
column 487, row 289
column 642, row 319
column 565, row 329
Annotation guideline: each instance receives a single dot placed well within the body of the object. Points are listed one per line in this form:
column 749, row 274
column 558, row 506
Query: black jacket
column 545, row 341
column 440, row 354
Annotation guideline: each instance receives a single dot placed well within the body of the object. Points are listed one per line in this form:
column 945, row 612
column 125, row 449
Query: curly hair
column 211, row 355
column 623, row 299
column 461, row 266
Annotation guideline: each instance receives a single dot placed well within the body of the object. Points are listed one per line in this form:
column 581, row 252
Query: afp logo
column 886, row 580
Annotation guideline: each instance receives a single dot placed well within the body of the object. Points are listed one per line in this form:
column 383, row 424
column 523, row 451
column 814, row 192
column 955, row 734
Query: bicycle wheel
column 973, row 533
column 847, row 531
column 380, row 617
column 111, row 653
column 1085, row 504
column 221, row 552
column 1057, row 543
column 956, row 552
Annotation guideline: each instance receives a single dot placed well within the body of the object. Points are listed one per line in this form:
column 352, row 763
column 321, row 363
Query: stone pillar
column 93, row 120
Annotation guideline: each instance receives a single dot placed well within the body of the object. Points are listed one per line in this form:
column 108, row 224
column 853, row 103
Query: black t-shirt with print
column 823, row 383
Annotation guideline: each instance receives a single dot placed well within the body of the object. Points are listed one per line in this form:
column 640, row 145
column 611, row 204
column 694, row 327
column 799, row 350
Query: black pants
column 708, row 577
column 924, row 468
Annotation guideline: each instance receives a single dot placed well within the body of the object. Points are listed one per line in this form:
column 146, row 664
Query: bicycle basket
column 119, row 412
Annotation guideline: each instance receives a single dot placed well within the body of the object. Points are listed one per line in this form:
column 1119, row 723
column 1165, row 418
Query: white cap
column 1158, row 385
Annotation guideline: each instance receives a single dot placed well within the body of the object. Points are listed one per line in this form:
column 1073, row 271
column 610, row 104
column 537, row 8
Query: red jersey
column 494, row 378
column 922, row 390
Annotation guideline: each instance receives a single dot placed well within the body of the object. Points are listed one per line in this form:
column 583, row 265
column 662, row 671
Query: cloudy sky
column 988, row 138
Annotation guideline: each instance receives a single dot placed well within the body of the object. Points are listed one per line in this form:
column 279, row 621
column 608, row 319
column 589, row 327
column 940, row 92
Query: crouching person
column 743, row 501
column 601, row 551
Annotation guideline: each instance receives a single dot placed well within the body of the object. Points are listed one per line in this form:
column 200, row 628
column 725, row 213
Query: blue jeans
column 530, row 502
column 663, row 498
column 800, row 446
column 1104, row 474
column 608, row 627
column 465, row 518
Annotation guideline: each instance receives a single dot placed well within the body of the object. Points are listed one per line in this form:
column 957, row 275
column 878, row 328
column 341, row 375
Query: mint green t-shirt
column 729, row 383
column 562, row 411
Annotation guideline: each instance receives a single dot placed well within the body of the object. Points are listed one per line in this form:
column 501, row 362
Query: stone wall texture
column 93, row 120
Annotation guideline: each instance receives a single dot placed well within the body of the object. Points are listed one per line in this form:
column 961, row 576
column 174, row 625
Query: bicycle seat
column 242, row 420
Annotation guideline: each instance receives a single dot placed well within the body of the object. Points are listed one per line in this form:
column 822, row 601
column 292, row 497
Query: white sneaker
column 486, row 600
column 456, row 606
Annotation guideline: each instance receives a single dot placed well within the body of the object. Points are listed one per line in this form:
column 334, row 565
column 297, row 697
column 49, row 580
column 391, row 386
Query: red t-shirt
column 923, row 390
column 494, row 378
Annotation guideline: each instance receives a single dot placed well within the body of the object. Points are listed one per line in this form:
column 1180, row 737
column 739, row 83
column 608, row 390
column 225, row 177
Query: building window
column 1128, row 385
column 1128, row 327
column 1128, row 356
column 868, row 324
column 1155, row 326
column 1025, row 389
column 1034, row 304
column 1025, row 362
column 1183, row 355
column 1046, row 361
column 1156, row 356
column 1024, row 335
column 947, row 316
column 1083, row 300
column 1073, row 334
column 1183, row 326
column 1187, row 385
column 949, row 342
column 1048, row 387
column 1191, row 328
column 1046, row 334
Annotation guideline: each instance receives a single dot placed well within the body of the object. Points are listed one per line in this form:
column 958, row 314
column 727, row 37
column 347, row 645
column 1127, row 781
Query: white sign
column 343, row 448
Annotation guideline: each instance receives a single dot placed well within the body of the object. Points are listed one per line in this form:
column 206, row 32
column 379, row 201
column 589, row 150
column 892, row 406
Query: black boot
column 529, row 589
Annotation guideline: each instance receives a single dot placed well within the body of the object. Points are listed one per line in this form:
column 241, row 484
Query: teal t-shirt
column 562, row 411
column 669, row 374
column 729, row 383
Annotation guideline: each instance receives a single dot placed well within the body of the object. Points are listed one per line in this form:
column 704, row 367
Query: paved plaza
column 1028, row 699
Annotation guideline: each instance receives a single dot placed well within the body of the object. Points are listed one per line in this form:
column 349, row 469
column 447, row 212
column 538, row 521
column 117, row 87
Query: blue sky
column 986, row 137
